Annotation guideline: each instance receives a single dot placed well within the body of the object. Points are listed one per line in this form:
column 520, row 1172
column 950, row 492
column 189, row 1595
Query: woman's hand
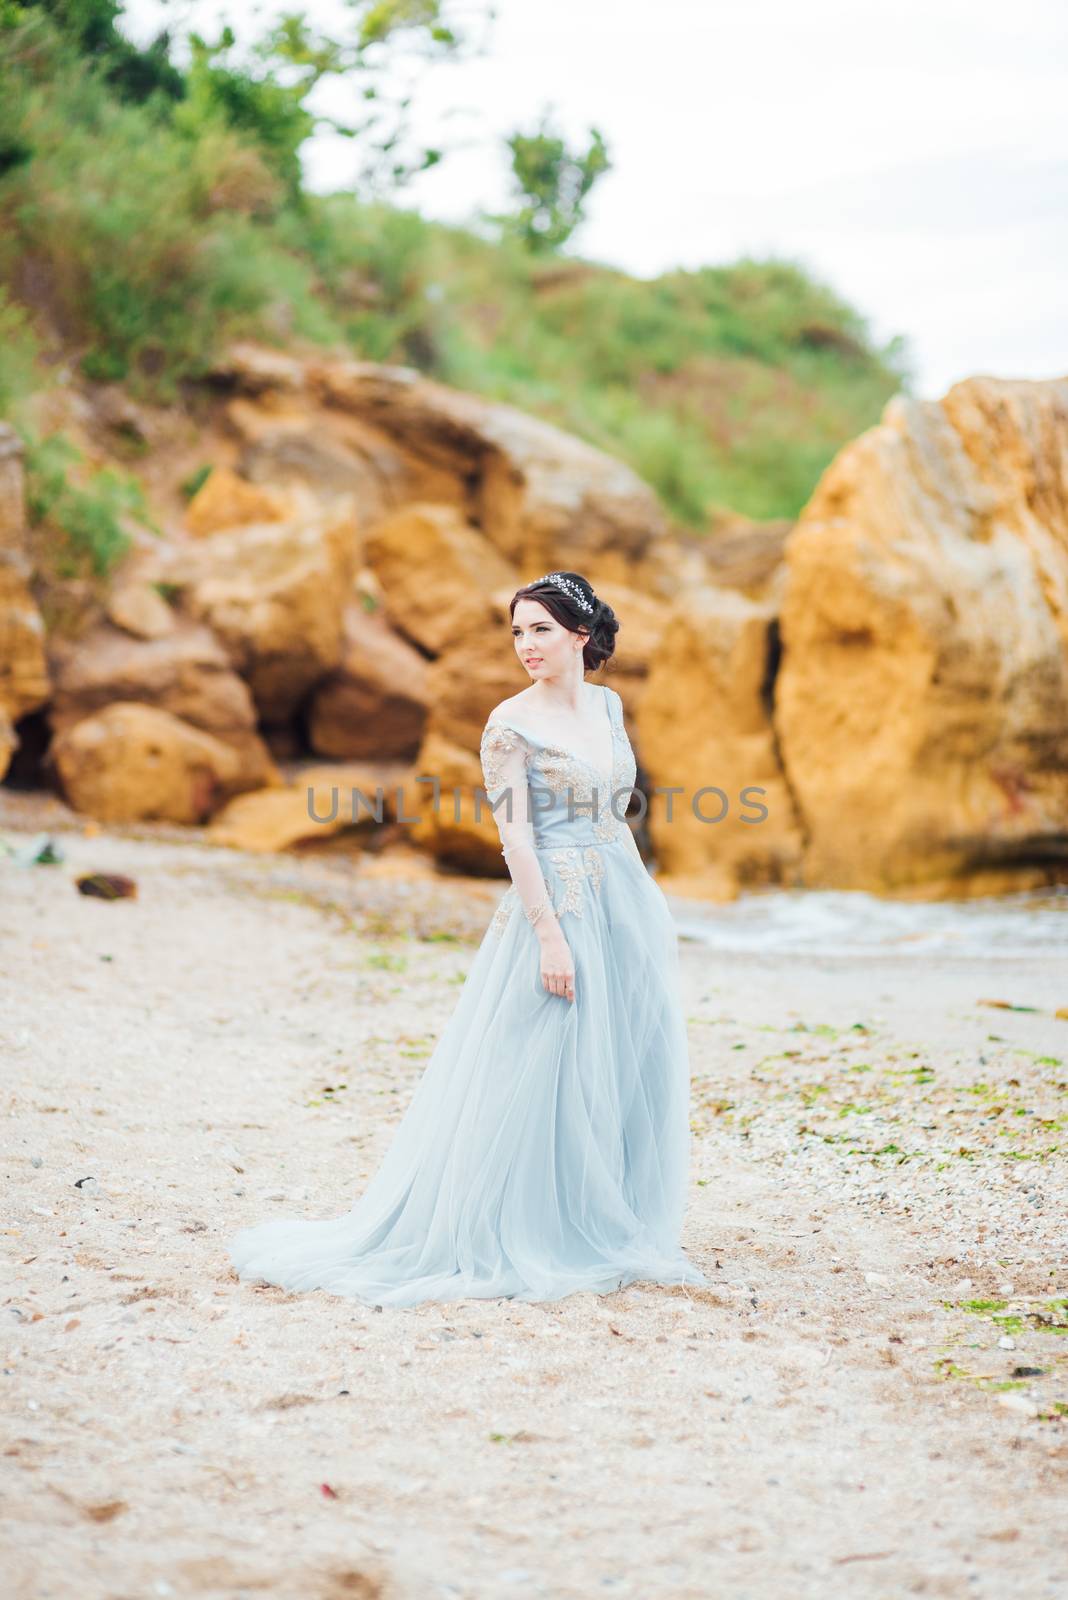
column 557, row 964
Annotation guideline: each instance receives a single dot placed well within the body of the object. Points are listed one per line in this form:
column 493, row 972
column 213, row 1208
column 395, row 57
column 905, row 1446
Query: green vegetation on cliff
column 150, row 215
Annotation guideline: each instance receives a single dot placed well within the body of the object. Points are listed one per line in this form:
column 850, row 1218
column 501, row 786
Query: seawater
column 845, row 922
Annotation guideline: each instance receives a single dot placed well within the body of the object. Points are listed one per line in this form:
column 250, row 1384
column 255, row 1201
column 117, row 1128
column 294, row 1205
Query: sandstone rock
column 141, row 610
column 133, row 762
column 12, row 491
column 922, row 705
column 256, row 369
column 745, row 554
column 333, row 453
column 467, row 682
column 375, row 704
column 438, row 574
column 226, row 500
column 185, row 672
column 275, row 595
column 540, row 495
column 642, row 619
column 390, row 438
column 9, row 740
column 704, row 722
column 671, row 567
column 343, row 796
column 24, row 684
column 448, row 827
column 23, row 670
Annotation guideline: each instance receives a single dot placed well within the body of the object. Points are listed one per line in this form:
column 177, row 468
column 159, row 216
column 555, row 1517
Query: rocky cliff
column 875, row 697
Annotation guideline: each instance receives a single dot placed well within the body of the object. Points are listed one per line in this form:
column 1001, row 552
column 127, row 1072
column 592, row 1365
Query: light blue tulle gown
column 546, row 1147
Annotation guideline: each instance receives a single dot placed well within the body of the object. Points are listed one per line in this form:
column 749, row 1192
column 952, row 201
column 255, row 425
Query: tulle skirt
column 546, row 1146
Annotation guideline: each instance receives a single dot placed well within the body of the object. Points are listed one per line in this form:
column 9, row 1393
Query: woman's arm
column 504, row 768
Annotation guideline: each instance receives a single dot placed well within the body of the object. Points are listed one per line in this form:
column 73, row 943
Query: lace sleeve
column 504, row 769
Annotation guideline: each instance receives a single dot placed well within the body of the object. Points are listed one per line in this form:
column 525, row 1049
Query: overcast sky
column 913, row 155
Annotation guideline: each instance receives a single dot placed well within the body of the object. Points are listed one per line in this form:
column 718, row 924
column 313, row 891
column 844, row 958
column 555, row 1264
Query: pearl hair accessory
column 569, row 587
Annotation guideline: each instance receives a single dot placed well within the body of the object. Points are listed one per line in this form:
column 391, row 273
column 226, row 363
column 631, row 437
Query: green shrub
column 88, row 515
column 157, row 245
column 18, row 350
column 154, row 231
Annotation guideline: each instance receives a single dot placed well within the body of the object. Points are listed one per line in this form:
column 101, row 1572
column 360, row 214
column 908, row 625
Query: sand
column 852, row 1409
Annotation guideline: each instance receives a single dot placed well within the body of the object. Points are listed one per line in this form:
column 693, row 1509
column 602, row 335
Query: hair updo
column 563, row 603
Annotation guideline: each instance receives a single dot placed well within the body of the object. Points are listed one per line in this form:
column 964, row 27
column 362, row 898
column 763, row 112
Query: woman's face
column 545, row 647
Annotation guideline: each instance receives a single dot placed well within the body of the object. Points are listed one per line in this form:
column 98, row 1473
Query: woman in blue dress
column 546, row 1147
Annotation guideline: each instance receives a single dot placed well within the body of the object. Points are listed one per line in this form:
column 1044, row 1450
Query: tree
column 552, row 184
column 263, row 87
column 266, row 89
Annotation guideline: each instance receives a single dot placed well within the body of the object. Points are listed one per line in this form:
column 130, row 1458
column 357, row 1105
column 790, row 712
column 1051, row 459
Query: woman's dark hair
column 561, row 603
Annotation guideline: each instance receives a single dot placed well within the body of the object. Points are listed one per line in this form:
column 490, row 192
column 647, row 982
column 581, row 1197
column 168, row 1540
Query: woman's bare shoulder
column 515, row 705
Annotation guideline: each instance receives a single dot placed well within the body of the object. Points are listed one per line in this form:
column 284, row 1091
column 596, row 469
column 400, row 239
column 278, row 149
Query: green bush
column 88, row 517
column 18, row 352
column 155, row 220
column 156, row 243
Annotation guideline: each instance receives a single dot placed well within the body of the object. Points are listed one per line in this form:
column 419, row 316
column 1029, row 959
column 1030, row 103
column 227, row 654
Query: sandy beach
column 872, row 1400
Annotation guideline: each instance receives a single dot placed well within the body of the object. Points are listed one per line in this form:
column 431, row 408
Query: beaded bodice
column 573, row 802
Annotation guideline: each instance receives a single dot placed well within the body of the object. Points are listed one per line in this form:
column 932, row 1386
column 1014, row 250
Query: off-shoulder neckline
column 556, row 749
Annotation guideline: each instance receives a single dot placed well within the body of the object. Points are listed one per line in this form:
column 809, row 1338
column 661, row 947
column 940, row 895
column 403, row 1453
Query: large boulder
column 275, row 594
column 922, row 703
column 467, row 681
column 139, row 609
column 438, row 574
column 448, row 827
column 24, row 684
column 642, row 617
column 291, row 438
column 133, row 762
column 305, row 446
column 185, row 672
column 539, row 494
column 259, row 369
column 375, row 703
column 704, row 723
column 390, row 437
column 315, row 805
column 226, row 500
column 741, row 553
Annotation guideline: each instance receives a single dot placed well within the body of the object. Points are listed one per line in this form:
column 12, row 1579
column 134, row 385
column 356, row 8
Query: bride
column 546, row 1147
